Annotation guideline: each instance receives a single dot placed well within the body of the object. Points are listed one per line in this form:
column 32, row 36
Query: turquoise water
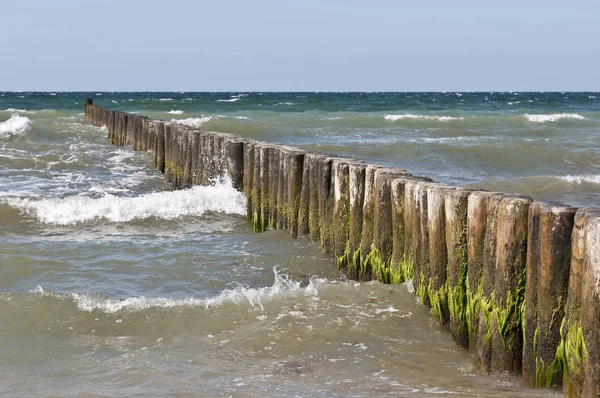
column 113, row 284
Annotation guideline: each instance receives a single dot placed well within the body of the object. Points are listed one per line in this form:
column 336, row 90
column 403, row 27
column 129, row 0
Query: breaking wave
column 194, row 122
column 409, row 116
column 195, row 201
column 553, row 117
column 282, row 287
column 15, row 125
column 581, row 179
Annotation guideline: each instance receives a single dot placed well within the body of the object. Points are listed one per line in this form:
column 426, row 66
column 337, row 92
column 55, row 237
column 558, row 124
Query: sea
column 114, row 284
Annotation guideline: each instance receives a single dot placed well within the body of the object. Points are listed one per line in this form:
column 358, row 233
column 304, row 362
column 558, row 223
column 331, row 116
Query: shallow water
column 113, row 284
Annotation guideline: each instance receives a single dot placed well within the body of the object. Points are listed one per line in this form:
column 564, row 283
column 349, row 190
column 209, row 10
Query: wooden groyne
column 516, row 281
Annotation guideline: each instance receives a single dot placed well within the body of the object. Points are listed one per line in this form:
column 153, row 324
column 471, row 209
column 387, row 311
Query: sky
column 300, row 45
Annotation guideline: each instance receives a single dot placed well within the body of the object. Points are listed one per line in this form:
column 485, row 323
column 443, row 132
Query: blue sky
column 307, row 45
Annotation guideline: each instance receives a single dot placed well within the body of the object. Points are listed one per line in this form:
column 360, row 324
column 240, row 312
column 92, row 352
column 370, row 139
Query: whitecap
column 175, row 112
column 159, row 205
column 229, row 100
column 194, row 122
column 409, row 116
column 553, row 117
column 165, row 99
column 15, row 125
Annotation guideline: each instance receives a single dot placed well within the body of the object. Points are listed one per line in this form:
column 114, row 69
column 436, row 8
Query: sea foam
column 282, row 287
column 553, row 117
column 175, row 112
column 394, row 118
column 15, row 125
column 160, row 205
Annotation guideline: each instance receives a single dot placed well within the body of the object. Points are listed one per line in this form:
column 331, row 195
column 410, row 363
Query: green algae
column 374, row 267
column 421, row 290
column 457, row 307
column 473, row 308
column 439, row 301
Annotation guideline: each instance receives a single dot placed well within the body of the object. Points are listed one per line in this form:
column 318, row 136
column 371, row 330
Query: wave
column 15, row 125
column 165, row 99
column 14, row 110
column 195, row 201
column 282, row 287
column 175, row 112
column 581, row 179
column 553, row 117
column 193, row 121
column 409, row 116
column 229, row 100
column 28, row 111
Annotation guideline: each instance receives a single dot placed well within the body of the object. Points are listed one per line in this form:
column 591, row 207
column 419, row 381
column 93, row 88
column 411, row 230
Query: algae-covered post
column 590, row 308
column 572, row 332
column 509, row 286
column 483, row 357
column 516, row 280
column 456, row 209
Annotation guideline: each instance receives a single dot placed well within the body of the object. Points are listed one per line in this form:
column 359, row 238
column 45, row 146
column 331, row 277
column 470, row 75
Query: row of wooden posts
column 515, row 280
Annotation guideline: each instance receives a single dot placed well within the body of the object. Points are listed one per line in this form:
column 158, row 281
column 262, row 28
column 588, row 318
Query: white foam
column 409, row 116
column 255, row 297
column 553, row 117
column 165, row 99
column 193, row 121
column 15, row 125
column 160, row 205
column 229, row 100
column 581, row 179
column 175, row 112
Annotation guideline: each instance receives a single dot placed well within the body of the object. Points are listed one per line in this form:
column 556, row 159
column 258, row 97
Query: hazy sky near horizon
column 300, row 45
